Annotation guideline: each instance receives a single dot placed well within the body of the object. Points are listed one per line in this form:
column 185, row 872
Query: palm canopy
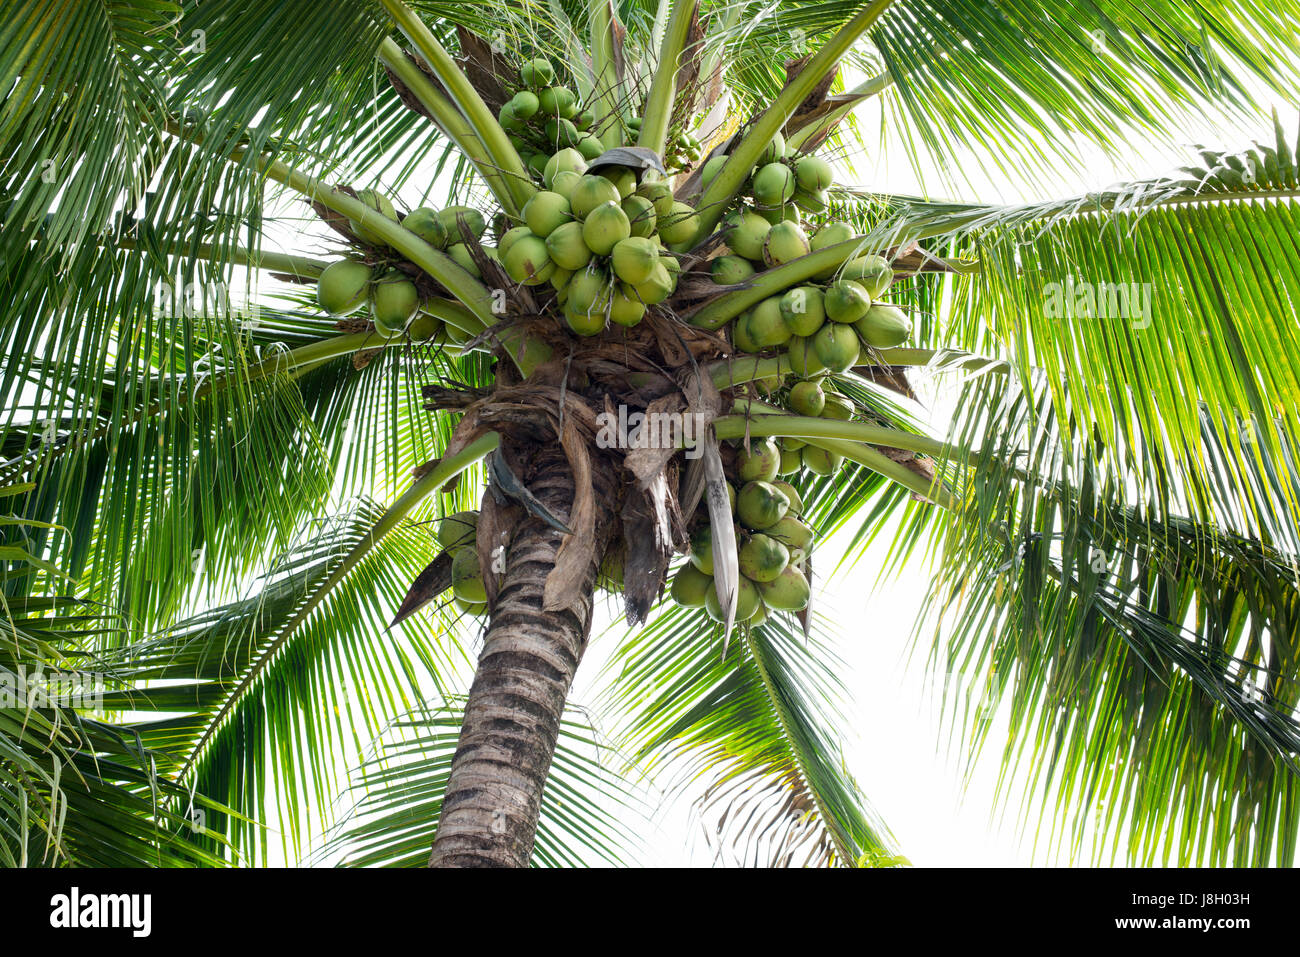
column 213, row 507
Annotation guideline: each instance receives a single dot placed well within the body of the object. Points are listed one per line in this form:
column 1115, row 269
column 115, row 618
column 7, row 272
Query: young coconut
column 785, row 242
column 884, row 326
column 393, row 303
column 803, row 310
column 343, row 287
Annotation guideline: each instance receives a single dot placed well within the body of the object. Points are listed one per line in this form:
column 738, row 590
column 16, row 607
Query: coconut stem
column 745, row 154
column 450, row 120
column 763, row 285
column 466, row 98
column 663, row 87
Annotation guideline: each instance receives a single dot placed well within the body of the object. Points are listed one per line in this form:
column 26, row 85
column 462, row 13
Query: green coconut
column 590, row 192
column 381, row 205
column 659, row 193
column 545, row 212
column 763, row 558
column 884, row 326
column 701, row 548
column 788, row 591
column 536, row 163
column 761, row 504
column 566, row 160
column 815, row 202
column 537, row 73
column 803, row 358
column 803, row 310
column 588, row 323
column 590, row 146
column 564, row 182
column 680, row 225
column 659, row 286
column 873, row 272
column 741, row 337
column 634, row 259
column 510, row 237
column 690, row 586
column 846, row 301
column 605, row 227
column 830, row 235
column 748, row 601
column 528, row 261
column 625, row 307
column 624, row 179
column 813, row 173
column 791, row 463
column 457, row 530
column 589, row 291
column 343, row 287
column 746, row 233
column 393, row 302
column 773, row 185
column 560, row 132
column 766, row 326
column 557, row 101
column 785, row 242
column 424, row 222
column 524, row 104
column 560, row 278
column 821, row 461
column 807, row 398
column 759, row 461
column 467, row 577
column 712, row 168
column 641, row 214
column 729, row 270
column 566, row 248
column 836, row 346
column 791, row 496
column 773, row 151
column 423, row 327
column 792, row 533
column 460, row 255
column 837, row 407
column 452, row 216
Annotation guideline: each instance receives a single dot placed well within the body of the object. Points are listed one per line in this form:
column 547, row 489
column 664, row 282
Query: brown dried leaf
column 567, row 581
column 487, row 72
column 645, row 565
column 428, row 585
column 496, row 520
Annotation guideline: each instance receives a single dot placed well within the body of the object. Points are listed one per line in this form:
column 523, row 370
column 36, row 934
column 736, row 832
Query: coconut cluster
column 772, row 539
column 545, row 116
column 457, row 536
column 824, row 324
column 346, row 286
column 601, row 239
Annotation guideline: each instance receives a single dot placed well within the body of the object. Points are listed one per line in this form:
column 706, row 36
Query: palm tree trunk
column 512, row 717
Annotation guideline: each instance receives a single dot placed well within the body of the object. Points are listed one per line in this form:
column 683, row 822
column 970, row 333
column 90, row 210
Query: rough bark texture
column 512, row 716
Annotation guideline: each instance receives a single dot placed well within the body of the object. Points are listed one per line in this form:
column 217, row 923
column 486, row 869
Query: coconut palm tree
column 289, row 451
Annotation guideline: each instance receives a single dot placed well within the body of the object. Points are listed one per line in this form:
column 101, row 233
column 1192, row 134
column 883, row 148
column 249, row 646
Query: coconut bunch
column 348, row 285
column 544, row 116
column 601, row 238
column 773, row 543
column 824, row 324
column 457, row 536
